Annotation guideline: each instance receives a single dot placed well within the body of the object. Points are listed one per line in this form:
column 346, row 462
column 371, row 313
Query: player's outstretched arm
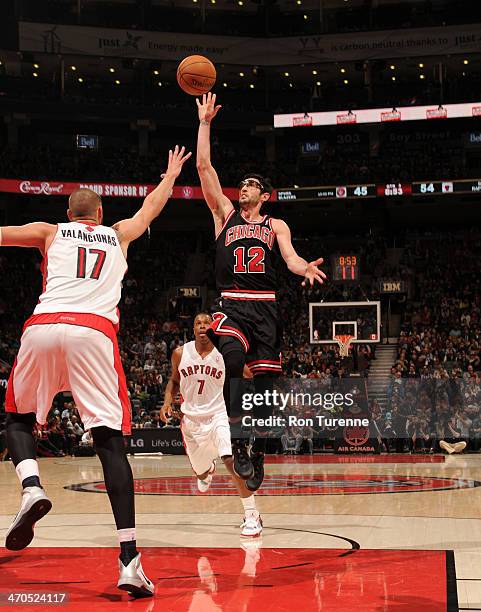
column 295, row 263
column 36, row 235
column 131, row 229
column 219, row 204
column 172, row 387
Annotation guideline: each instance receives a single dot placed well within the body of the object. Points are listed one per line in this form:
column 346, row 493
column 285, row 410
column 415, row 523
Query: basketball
column 196, row 75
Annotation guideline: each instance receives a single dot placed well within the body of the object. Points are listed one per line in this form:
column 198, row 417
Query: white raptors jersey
column 201, row 382
column 83, row 271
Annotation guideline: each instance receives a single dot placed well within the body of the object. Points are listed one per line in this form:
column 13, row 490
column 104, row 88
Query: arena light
column 159, row 83
column 35, row 74
column 36, row 66
column 314, row 72
column 422, row 77
column 156, row 72
column 421, row 65
column 240, row 3
column 286, row 74
column 117, row 82
column 241, row 74
column 466, row 62
column 343, row 70
column 392, row 66
column 80, row 80
column 393, row 78
column 73, row 68
column 318, row 83
column 346, row 82
column 251, row 85
column 112, row 70
column 306, row 17
column 224, row 84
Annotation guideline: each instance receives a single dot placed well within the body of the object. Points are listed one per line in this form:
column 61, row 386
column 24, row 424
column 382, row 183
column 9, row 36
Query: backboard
column 360, row 320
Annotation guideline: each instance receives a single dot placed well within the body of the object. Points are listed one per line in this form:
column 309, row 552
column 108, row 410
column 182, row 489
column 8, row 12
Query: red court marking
column 355, row 459
column 234, row 580
column 294, row 484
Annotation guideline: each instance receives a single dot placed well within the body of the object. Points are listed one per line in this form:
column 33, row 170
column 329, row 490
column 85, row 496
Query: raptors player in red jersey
column 249, row 246
column 70, row 343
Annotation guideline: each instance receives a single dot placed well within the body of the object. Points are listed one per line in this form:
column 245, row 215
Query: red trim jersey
column 83, row 271
column 247, row 256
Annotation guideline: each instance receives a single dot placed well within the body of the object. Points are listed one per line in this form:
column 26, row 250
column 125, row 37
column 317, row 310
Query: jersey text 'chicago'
column 201, row 382
column 246, row 255
column 83, row 271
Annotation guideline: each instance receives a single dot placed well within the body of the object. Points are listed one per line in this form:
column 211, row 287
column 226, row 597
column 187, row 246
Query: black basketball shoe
column 242, row 464
column 255, row 481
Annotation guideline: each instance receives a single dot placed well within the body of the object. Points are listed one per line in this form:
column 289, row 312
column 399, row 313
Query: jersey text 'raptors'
column 201, row 382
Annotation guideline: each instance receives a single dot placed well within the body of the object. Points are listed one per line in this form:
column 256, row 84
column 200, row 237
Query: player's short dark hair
column 203, row 314
column 84, row 202
column 263, row 180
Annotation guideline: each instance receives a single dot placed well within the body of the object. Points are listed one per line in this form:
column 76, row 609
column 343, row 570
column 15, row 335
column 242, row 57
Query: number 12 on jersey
column 82, row 262
column 255, row 263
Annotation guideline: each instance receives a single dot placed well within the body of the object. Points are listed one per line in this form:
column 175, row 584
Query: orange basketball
column 196, row 75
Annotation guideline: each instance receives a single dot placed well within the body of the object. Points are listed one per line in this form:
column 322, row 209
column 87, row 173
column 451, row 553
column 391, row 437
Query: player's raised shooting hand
column 177, row 159
column 207, row 108
column 166, row 412
column 313, row 273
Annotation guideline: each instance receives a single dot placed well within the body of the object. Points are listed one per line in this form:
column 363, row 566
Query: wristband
column 204, row 122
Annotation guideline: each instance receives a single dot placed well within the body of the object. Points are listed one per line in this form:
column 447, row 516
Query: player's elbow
column 203, row 165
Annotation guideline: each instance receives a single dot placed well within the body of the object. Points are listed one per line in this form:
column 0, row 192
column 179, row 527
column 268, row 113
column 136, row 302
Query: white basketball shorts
column 70, row 357
column 206, row 439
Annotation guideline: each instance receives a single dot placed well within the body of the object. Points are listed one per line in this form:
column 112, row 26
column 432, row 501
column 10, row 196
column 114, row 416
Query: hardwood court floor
column 345, row 513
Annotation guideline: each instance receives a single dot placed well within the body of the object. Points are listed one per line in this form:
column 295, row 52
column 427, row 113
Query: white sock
column 26, row 468
column 249, row 504
column 126, row 535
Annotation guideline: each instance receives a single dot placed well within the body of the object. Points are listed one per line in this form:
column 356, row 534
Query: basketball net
column 344, row 342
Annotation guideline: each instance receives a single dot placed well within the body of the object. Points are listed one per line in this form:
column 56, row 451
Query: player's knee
column 105, row 436
column 227, row 460
column 20, row 421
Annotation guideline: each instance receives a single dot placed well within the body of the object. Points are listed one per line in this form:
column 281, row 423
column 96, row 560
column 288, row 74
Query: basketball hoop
column 344, row 342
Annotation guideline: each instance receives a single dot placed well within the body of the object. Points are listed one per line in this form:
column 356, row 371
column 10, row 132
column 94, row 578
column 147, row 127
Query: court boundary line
column 452, row 604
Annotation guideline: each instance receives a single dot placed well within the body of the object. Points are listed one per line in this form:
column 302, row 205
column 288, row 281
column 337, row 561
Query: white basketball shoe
column 133, row 579
column 203, row 485
column 35, row 505
column 252, row 525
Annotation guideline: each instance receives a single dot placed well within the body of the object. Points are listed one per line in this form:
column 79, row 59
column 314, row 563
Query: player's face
column 250, row 191
column 201, row 325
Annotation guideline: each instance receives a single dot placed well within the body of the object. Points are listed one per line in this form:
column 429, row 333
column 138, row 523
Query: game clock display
column 345, row 267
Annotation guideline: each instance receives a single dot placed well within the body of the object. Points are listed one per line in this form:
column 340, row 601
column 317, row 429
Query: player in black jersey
column 249, row 245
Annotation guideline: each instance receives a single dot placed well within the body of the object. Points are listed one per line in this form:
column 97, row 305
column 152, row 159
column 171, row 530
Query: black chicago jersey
column 247, row 255
column 246, row 275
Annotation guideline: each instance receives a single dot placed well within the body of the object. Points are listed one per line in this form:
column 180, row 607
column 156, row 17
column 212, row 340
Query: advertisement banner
column 174, row 46
column 380, row 115
column 165, row 440
column 110, row 190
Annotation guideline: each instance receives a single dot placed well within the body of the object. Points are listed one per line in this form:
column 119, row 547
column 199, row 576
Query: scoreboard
column 345, row 266
column 447, row 187
column 372, row 190
column 300, row 194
